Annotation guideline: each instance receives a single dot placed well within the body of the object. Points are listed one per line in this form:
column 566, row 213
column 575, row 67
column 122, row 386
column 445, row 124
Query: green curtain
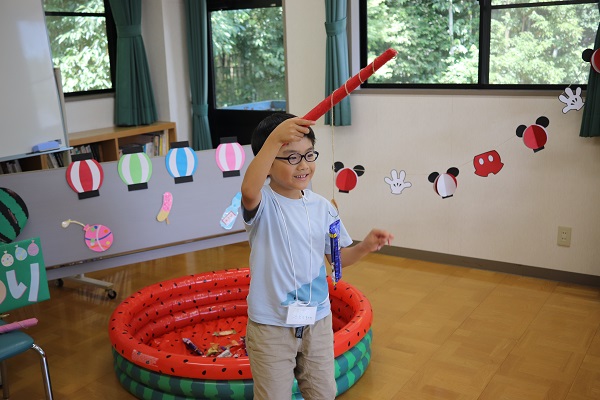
column 134, row 97
column 336, row 67
column 590, row 123
column 197, row 38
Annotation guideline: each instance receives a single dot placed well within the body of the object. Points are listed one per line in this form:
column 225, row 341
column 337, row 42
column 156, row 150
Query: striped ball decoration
column 181, row 162
column 230, row 156
column 85, row 175
column 135, row 168
column 13, row 215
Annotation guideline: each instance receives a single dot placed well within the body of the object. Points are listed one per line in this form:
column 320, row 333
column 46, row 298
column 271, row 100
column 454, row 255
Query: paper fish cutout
column 444, row 184
column 487, row 163
column 572, row 100
column 397, row 183
column 535, row 136
column 346, row 178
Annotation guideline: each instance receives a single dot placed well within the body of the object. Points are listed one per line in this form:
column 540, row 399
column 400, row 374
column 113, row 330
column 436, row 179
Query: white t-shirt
column 288, row 241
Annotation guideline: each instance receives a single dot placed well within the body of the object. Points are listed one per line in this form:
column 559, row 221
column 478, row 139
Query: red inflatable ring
column 210, row 308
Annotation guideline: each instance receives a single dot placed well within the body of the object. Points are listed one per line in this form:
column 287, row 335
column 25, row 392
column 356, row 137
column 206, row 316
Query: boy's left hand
column 376, row 239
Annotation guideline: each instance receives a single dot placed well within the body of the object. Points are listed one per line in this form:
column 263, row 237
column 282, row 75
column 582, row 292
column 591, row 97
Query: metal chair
column 14, row 343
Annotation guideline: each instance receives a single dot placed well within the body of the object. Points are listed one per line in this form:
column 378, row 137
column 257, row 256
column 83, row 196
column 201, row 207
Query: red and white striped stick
column 350, row 85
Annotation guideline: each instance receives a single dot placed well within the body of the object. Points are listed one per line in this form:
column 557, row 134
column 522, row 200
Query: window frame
column 111, row 36
column 223, row 122
column 486, row 8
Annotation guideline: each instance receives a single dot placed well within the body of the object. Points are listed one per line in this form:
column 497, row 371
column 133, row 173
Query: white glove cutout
column 572, row 100
column 397, row 184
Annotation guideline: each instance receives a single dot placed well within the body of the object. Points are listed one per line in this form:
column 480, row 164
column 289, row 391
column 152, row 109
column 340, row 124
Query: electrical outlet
column 564, row 236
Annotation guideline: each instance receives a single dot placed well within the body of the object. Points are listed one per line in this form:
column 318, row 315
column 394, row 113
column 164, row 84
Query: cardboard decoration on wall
column 572, row 100
column 135, row 168
column 231, row 212
column 397, row 182
column 13, row 215
column 97, row 237
column 85, row 175
column 181, row 162
column 535, row 136
column 346, row 178
column 22, row 275
column 165, row 209
column 487, row 163
column 593, row 57
column 444, row 184
column 230, row 157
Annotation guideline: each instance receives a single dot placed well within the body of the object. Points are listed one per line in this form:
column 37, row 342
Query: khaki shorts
column 277, row 356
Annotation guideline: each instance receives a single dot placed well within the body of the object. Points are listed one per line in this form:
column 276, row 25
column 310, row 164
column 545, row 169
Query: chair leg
column 4, row 375
column 45, row 371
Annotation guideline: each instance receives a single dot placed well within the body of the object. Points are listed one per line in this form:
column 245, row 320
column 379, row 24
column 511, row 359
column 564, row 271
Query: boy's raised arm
column 290, row 130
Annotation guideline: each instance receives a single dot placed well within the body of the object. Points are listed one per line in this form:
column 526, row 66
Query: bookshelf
column 106, row 144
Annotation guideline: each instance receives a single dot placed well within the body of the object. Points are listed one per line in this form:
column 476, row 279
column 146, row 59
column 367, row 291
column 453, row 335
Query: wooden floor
column 439, row 332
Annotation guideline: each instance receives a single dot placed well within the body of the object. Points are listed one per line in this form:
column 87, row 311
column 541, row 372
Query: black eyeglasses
column 296, row 158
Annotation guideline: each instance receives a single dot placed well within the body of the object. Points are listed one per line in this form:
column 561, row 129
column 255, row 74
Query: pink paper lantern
column 230, row 157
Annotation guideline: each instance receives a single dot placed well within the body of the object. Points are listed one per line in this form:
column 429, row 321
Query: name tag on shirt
column 301, row 315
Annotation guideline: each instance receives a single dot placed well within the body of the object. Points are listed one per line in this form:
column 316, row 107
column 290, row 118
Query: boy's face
column 289, row 180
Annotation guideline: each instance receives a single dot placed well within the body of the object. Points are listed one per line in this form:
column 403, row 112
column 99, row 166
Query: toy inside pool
column 158, row 334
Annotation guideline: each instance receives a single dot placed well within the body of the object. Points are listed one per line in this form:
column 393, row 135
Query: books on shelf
column 9, row 167
column 152, row 144
column 93, row 148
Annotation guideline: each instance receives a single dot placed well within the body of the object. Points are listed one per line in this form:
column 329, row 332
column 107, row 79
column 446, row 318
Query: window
column 83, row 41
column 521, row 44
column 246, row 65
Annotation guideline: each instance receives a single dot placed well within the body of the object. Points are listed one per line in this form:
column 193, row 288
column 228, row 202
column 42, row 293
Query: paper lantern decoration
column 13, row 215
column 230, row 156
column 534, row 136
column 135, row 168
column 593, row 57
column 97, row 237
column 85, row 175
column 346, row 178
column 181, row 162
column 487, row 163
column 444, row 184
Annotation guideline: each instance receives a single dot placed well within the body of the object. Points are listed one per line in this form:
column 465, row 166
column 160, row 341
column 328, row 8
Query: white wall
column 510, row 217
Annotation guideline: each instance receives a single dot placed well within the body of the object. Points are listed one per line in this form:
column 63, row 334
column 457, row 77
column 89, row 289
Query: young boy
column 289, row 330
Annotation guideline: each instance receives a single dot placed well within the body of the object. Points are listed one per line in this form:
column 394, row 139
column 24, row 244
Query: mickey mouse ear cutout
column 13, row 215
column 593, row 57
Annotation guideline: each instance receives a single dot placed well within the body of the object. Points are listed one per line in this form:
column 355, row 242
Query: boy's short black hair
column 268, row 125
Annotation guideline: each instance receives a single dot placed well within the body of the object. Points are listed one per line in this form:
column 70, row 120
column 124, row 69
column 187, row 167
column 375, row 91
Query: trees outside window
column 246, row 65
column 486, row 43
column 82, row 40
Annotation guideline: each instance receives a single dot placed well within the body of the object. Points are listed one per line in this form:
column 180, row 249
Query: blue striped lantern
column 181, row 162
column 135, row 168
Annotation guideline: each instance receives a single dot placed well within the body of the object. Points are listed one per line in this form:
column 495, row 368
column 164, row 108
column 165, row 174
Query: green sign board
column 22, row 274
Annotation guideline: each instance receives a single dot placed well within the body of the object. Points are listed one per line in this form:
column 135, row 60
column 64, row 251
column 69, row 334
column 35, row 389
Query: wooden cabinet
column 106, row 143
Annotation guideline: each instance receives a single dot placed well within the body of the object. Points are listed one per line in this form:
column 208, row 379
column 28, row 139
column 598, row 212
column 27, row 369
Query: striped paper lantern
column 181, row 162
column 230, row 156
column 13, row 215
column 85, row 175
column 135, row 168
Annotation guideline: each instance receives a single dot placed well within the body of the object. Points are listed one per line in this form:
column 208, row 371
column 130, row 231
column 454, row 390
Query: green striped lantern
column 135, row 168
column 13, row 215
